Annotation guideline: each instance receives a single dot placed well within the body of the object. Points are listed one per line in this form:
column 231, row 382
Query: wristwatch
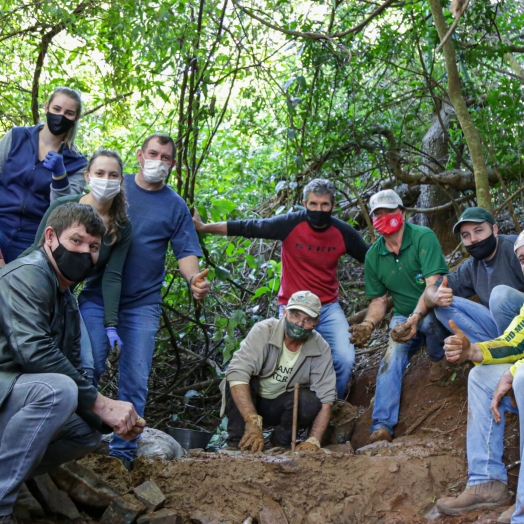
column 416, row 312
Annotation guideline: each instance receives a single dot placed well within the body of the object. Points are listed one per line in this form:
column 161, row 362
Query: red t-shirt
column 309, row 256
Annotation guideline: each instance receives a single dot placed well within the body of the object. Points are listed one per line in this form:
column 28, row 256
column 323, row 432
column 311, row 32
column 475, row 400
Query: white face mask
column 104, row 189
column 155, row 171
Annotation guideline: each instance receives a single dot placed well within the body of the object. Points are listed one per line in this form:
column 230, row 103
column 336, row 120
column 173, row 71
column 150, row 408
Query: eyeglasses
column 296, row 318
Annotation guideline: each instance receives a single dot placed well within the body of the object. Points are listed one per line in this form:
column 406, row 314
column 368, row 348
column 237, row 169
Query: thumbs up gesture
column 444, row 294
column 457, row 347
column 200, row 285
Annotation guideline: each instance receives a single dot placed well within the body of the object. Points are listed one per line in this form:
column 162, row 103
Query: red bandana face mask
column 388, row 224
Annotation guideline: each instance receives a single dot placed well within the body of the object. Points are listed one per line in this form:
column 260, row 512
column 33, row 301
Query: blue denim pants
column 394, row 363
column 137, row 328
column 477, row 321
column 333, row 327
column 38, row 431
column 485, row 438
column 14, row 242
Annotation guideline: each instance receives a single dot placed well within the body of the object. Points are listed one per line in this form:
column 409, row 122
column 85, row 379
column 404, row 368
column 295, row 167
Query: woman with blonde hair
column 35, row 170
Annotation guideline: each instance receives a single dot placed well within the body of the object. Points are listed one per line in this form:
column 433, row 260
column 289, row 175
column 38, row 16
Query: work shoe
column 505, row 518
column 486, row 495
column 380, row 434
column 438, row 370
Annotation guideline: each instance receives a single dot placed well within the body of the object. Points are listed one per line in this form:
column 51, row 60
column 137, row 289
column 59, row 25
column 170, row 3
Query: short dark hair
column 320, row 187
column 163, row 139
column 71, row 213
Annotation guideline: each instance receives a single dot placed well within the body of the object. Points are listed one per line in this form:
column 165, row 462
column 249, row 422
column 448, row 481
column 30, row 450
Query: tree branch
column 107, row 102
column 317, row 36
column 44, row 46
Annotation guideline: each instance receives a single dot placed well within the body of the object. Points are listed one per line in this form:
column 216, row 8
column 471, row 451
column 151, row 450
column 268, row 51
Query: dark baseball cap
column 474, row 214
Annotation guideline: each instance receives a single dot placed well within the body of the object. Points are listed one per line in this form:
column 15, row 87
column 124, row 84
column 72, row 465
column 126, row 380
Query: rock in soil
column 123, row 510
column 54, row 500
column 82, row 485
column 150, row 495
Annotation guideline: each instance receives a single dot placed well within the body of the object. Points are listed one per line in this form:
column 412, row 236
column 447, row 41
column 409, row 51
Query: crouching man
column 49, row 411
column 494, row 387
column 275, row 356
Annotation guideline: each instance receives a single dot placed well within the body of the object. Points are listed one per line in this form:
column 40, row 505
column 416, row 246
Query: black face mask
column 484, row 248
column 76, row 267
column 318, row 219
column 58, row 124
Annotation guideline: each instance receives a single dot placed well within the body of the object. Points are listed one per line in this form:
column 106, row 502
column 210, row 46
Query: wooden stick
column 295, row 418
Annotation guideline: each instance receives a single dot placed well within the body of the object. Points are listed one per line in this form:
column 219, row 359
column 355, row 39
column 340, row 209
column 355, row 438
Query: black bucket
column 190, row 438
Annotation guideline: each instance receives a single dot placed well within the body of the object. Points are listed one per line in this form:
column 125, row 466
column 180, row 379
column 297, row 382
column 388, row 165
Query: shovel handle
column 295, row 417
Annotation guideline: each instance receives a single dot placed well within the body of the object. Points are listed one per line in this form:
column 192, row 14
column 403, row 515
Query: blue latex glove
column 113, row 337
column 55, row 163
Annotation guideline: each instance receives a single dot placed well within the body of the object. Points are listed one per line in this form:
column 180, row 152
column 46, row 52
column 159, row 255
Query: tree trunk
column 466, row 123
column 436, row 146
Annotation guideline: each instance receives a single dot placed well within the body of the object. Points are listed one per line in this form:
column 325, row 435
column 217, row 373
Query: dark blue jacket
column 25, row 183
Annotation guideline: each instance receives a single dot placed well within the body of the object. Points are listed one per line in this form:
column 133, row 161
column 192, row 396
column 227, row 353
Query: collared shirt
column 404, row 275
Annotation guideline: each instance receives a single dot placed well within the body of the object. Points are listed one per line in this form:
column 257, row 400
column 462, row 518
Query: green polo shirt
column 404, row 276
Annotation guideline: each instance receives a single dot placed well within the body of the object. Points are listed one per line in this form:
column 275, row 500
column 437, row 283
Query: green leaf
column 222, row 273
column 260, row 291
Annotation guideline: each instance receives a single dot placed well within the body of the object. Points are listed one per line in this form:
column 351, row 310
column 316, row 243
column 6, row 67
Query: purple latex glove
column 113, row 337
column 55, row 163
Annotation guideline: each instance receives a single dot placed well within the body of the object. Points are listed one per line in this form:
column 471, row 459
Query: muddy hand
column 456, row 347
column 504, row 387
column 253, row 437
column 403, row 332
column 200, row 285
column 311, row 444
column 360, row 334
column 444, row 294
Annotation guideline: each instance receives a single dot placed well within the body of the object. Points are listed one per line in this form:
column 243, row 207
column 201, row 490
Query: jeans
column 477, row 321
column 14, row 242
column 395, row 362
column 485, row 438
column 86, row 351
column 137, row 328
column 38, row 431
column 333, row 327
column 277, row 412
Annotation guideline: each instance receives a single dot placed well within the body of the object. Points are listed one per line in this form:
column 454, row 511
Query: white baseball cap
column 387, row 199
column 519, row 242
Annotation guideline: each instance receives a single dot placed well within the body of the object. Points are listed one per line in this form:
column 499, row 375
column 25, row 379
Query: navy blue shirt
column 157, row 218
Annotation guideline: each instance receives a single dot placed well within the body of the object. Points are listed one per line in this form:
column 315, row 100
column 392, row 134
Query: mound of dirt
column 402, row 478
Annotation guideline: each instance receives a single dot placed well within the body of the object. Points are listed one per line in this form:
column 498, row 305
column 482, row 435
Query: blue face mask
column 296, row 332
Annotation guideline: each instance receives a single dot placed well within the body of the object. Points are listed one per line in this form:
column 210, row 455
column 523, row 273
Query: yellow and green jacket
column 507, row 348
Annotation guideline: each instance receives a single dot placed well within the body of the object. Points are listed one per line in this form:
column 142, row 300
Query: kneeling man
column 275, row 356
column 50, row 413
